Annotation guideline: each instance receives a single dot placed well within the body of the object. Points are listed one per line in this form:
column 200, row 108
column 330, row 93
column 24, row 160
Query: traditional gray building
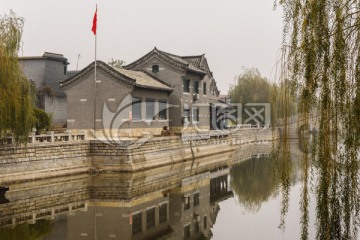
column 45, row 72
column 126, row 104
column 195, row 91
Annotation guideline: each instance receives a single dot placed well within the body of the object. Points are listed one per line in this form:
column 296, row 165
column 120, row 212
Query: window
column 186, row 200
column 150, row 217
column 196, row 87
column 196, row 227
column 196, row 199
column 187, row 232
column 65, row 69
column 205, row 222
column 186, row 115
column 163, row 213
column 137, row 222
column 136, row 108
column 186, row 85
column 195, row 114
column 162, row 110
column 150, row 109
column 204, row 88
column 155, row 68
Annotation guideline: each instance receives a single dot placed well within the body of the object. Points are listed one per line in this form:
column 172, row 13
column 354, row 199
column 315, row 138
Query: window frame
column 163, row 207
column 196, row 87
column 137, row 217
column 196, row 199
column 150, row 224
column 155, row 68
column 195, row 114
column 186, row 202
column 149, row 109
column 163, row 110
column 186, row 115
column 134, row 105
column 186, row 85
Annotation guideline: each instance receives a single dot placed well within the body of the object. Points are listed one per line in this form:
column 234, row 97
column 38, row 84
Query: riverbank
column 44, row 160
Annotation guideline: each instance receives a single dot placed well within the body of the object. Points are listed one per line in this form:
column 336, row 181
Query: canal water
column 191, row 200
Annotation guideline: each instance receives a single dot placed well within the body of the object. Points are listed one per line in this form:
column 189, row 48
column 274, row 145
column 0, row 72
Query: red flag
column 93, row 29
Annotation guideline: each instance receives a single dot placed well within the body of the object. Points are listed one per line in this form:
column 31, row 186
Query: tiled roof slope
column 135, row 78
column 144, row 80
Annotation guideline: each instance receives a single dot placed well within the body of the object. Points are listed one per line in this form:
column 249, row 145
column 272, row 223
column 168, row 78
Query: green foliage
column 16, row 114
column 27, row 231
column 250, row 87
column 43, row 120
column 321, row 55
column 251, row 180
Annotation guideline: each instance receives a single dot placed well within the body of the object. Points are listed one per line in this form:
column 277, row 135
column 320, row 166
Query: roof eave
column 154, row 88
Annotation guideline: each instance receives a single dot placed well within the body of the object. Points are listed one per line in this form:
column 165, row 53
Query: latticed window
column 150, row 108
column 150, row 218
column 155, row 68
column 196, row 87
column 195, row 114
column 196, row 199
column 187, row 232
column 186, row 115
column 186, row 85
column 136, row 223
column 136, row 108
column 163, row 212
column 162, row 110
column 186, row 200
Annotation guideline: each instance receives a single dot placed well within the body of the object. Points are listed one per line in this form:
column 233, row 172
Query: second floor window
column 196, row 87
column 186, row 201
column 204, row 88
column 196, row 199
column 186, row 85
column 155, row 68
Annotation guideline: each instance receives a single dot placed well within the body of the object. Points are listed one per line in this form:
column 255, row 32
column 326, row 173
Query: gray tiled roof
column 143, row 80
column 192, row 64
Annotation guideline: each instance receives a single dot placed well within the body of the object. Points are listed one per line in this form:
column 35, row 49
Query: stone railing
column 49, row 137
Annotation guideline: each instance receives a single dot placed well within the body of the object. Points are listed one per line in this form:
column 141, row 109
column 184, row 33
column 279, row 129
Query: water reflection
column 174, row 202
column 171, row 202
column 253, row 182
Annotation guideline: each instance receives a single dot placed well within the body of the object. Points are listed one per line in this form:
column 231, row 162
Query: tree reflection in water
column 254, row 181
column 27, row 231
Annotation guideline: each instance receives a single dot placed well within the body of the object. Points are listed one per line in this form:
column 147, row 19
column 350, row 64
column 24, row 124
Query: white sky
column 232, row 33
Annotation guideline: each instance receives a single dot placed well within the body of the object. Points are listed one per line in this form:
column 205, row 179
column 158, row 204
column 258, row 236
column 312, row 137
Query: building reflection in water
column 174, row 202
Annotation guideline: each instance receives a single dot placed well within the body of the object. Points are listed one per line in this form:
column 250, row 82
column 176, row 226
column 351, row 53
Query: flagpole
column 95, row 77
column 95, row 90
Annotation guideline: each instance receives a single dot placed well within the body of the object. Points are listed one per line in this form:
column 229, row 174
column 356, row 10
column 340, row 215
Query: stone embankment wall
column 37, row 161
column 156, row 152
column 42, row 160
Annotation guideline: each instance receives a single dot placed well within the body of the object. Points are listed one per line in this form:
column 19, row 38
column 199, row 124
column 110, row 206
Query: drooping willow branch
column 16, row 101
column 322, row 42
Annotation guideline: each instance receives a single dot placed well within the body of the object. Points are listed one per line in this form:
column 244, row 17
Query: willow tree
column 16, row 113
column 321, row 56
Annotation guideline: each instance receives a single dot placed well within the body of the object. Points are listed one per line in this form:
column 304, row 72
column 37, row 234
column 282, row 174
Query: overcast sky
column 232, row 33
